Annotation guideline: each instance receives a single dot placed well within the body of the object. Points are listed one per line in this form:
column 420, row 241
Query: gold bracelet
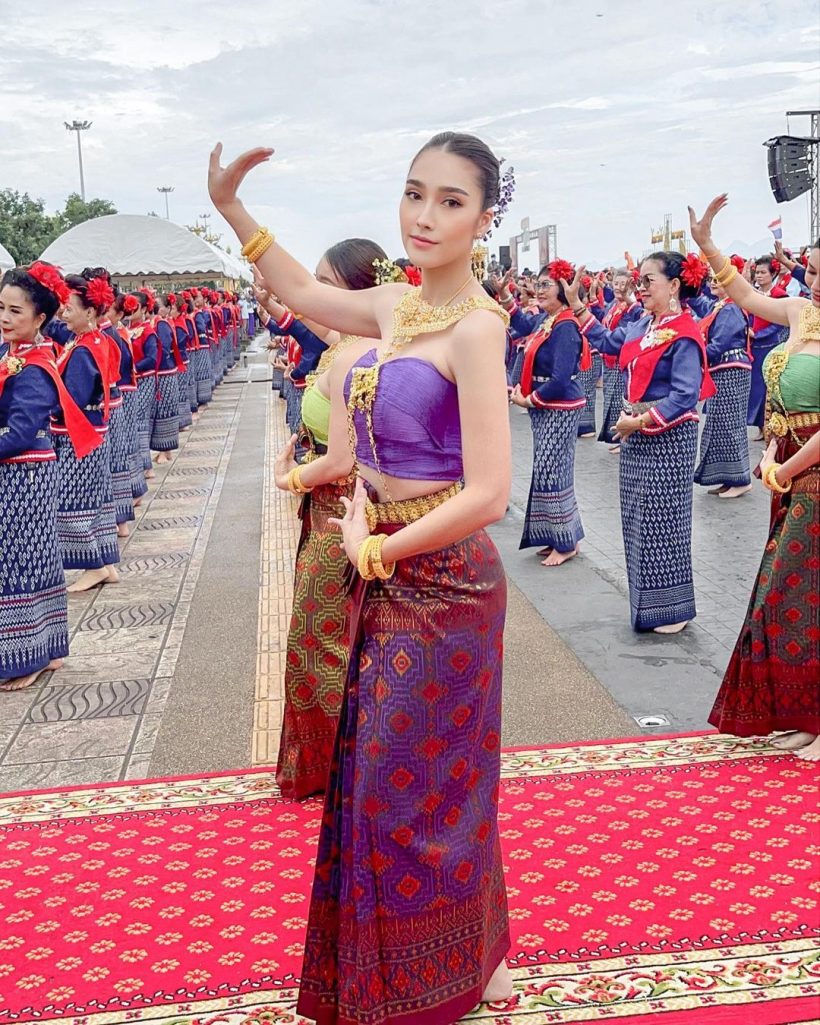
column 262, row 248
column 379, row 569
column 711, row 256
column 771, row 482
column 725, row 280
column 727, row 263
column 295, row 485
column 366, row 571
column 256, row 238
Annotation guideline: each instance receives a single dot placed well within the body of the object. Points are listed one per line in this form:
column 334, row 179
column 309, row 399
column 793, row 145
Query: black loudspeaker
column 790, row 166
column 504, row 257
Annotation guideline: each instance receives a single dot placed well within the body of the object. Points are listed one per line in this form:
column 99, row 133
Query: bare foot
column 113, row 575
column 589, row 434
column 163, row 457
column 87, row 579
column 811, row 752
column 671, row 628
column 793, row 740
column 758, row 436
column 500, row 986
column 137, row 502
column 149, row 475
column 558, row 558
column 21, row 682
column 545, row 552
column 614, row 448
column 719, row 490
column 122, row 530
column 736, row 492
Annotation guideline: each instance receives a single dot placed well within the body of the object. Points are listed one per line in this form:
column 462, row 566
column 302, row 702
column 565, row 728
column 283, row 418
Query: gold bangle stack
column 727, row 273
column 295, row 485
column 770, row 480
column 369, row 561
column 257, row 244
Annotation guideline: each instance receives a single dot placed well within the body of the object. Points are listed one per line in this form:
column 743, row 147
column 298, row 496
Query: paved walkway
column 179, row 668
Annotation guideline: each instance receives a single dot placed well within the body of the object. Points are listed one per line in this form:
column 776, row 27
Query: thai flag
column 776, row 228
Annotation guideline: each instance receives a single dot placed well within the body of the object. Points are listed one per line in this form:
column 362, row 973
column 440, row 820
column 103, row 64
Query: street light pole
column 79, row 126
column 166, row 189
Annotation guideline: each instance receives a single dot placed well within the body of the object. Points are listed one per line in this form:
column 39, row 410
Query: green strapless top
column 316, row 414
column 799, row 381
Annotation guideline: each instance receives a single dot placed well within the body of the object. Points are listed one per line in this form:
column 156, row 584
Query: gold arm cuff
column 770, row 480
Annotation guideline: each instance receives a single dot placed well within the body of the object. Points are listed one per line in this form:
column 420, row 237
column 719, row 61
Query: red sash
column 537, row 339
column 84, row 436
column 758, row 323
column 189, row 318
column 99, row 345
column 705, row 325
column 216, row 324
column 138, row 341
column 180, row 362
column 643, row 361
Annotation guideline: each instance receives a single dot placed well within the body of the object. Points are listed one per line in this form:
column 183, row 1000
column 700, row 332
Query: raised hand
column 572, row 288
column 701, row 230
column 224, row 182
column 501, row 284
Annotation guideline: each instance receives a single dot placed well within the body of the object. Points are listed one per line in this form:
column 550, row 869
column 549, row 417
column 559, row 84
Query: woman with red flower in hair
column 550, row 390
column 86, row 518
column 663, row 359
column 124, row 306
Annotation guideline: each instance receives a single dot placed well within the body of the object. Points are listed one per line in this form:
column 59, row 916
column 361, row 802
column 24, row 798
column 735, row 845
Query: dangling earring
column 673, row 305
column 478, row 259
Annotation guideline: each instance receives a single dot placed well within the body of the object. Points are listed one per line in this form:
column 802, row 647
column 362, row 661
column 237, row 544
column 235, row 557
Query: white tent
column 133, row 245
column 6, row 259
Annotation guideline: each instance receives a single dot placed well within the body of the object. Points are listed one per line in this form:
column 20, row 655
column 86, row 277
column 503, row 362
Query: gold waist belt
column 781, row 423
column 408, row 511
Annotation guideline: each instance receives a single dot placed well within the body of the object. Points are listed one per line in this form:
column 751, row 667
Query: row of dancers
column 95, row 385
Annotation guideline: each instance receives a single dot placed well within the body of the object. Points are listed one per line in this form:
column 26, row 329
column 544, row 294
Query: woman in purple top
column 408, row 918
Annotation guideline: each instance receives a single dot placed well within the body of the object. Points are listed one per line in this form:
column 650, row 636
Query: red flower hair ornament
column 49, row 277
column 561, row 269
column 172, row 299
column 693, row 271
column 130, row 304
column 737, row 262
column 776, row 267
column 99, row 293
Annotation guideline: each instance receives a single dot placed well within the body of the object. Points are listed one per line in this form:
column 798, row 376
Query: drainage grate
column 649, row 721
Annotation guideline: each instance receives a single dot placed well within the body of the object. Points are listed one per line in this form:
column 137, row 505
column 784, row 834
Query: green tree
column 25, row 228
column 78, row 210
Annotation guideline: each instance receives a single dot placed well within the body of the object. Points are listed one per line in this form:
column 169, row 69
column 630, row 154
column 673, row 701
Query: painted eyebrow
column 445, row 188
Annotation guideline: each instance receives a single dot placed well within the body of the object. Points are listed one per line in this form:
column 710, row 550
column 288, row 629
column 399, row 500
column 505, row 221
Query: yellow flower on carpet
column 590, row 871
column 620, row 921
column 102, row 946
column 231, row 958
column 605, row 896
column 197, row 976
column 133, row 956
column 682, row 914
column 60, row 994
column 96, row 974
column 38, row 953
column 31, row 982
column 580, row 910
column 658, row 932
column 200, row 947
column 76, row 936
column 642, row 905
column 200, row 896
column 265, row 966
column 295, row 949
column 202, row 921
column 556, row 925
column 137, row 928
column 167, row 965
column 68, row 964
column 167, row 938
column 126, row 986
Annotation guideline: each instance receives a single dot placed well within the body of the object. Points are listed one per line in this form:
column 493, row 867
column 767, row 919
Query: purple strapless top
column 415, row 421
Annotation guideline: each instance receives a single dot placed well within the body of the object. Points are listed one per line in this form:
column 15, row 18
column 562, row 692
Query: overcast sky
column 612, row 114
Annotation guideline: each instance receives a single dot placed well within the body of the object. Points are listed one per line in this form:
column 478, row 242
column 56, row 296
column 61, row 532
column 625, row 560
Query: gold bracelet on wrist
column 725, row 280
column 363, row 560
column 257, row 244
column 382, row 572
column 771, row 482
column 295, row 485
column 712, row 255
column 727, row 263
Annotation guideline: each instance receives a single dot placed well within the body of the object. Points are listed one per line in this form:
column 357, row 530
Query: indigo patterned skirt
column 215, row 356
column 130, row 409
column 86, row 522
column 613, row 402
column 588, row 379
column 724, row 444
column 165, row 430
column 184, row 408
column 771, row 681
column 277, row 378
column 33, row 615
column 408, row 917
column 293, row 412
column 190, row 381
column 318, row 648
column 201, row 359
column 756, row 411
column 552, row 510
column 517, row 367
column 146, row 410
column 120, row 450
column 656, row 515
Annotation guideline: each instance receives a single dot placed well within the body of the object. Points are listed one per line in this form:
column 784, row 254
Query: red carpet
column 675, row 877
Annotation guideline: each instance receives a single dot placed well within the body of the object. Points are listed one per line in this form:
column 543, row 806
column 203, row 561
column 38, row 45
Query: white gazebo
column 6, row 259
column 141, row 250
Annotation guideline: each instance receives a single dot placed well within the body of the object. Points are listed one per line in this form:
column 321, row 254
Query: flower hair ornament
column 49, row 277
column 737, row 262
column 693, row 271
column 776, row 267
column 561, row 269
column 172, row 299
column 130, row 304
column 506, row 191
column 99, row 293
column 388, row 273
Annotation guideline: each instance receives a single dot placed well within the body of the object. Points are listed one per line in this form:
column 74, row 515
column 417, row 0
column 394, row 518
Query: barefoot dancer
column 408, row 917
column 771, row 684
column 86, row 520
column 33, row 614
column 552, row 393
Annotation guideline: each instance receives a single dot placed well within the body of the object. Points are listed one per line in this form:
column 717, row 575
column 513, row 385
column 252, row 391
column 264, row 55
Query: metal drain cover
column 648, row 721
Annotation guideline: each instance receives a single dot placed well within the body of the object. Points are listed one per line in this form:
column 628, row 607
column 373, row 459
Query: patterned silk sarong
column 408, row 917
column 201, row 360
column 86, row 521
column 318, row 648
column 724, row 444
column 120, row 452
column 183, row 381
column 130, row 410
column 552, row 510
column 656, row 516
column 771, row 682
column 613, row 402
column 588, row 380
column 146, row 411
column 165, row 428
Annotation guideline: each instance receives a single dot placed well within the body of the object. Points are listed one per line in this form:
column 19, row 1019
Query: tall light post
column 165, row 189
column 78, row 127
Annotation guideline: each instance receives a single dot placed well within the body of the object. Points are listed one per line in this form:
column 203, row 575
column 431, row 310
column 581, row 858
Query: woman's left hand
column 224, row 182
column 627, row 425
column 518, row 398
column 285, row 461
column 768, row 459
column 354, row 524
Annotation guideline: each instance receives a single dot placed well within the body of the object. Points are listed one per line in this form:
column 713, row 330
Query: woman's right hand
column 284, row 463
column 501, row 285
column 572, row 288
column 224, row 182
column 701, row 230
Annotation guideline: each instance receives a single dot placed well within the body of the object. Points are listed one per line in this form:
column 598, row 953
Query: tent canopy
column 6, row 259
column 131, row 245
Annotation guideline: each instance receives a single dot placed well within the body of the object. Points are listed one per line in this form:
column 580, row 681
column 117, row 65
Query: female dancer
column 185, row 321
column 551, row 391
column 663, row 359
column 203, row 371
column 124, row 306
column 146, row 357
column 621, row 311
column 771, row 681
column 408, row 915
column 765, row 336
column 318, row 642
column 33, row 613
column 174, row 306
column 86, row 520
column 724, row 444
column 165, row 429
